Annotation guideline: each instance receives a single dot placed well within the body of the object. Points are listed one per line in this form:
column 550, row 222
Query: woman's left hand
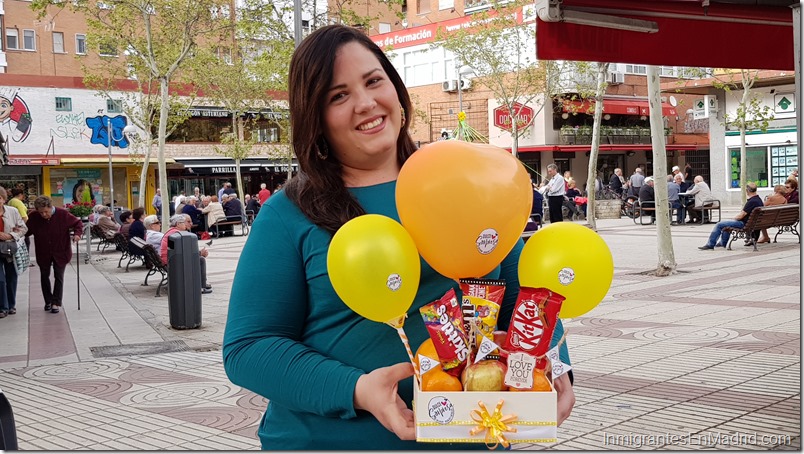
column 566, row 397
column 5, row 236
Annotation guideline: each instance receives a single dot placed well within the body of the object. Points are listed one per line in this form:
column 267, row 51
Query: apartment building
column 56, row 130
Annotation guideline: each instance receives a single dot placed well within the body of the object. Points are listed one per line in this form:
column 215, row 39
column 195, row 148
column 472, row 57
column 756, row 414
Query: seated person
column 180, row 223
column 153, row 232
column 232, row 207
column 777, row 198
column 213, row 211
column 673, row 189
column 570, row 199
column 647, row 198
column 719, row 238
column 700, row 193
column 105, row 219
column 195, row 214
column 537, row 211
column 252, row 205
column 137, row 229
column 791, row 190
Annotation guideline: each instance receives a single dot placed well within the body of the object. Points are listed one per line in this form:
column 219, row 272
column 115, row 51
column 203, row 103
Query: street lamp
column 126, row 130
column 462, row 71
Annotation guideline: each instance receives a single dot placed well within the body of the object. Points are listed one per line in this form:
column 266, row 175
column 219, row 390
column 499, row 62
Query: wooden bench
column 106, row 240
column 154, row 264
column 226, row 221
column 707, row 210
column 640, row 211
column 784, row 217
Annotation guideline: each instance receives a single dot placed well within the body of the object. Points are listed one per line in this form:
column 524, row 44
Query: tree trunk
column 144, row 171
column 164, row 111
column 602, row 70
column 742, row 119
column 667, row 259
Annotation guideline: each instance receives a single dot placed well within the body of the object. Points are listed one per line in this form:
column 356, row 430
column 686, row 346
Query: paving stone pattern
column 708, row 358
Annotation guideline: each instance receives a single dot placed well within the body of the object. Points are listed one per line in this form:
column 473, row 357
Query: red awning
column 617, row 106
column 610, row 147
column 719, row 35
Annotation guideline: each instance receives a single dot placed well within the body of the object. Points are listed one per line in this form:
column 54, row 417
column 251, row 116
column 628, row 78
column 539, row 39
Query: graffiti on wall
column 15, row 115
column 100, row 131
column 70, row 126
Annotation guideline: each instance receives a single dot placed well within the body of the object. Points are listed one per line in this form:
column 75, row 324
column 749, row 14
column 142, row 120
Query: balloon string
column 404, row 337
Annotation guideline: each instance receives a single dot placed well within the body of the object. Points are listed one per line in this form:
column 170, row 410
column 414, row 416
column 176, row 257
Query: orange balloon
column 465, row 205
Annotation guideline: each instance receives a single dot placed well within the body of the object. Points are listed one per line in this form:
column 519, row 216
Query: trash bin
column 184, row 281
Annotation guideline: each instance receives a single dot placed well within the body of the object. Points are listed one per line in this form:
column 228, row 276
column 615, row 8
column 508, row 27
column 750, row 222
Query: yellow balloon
column 571, row 260
column 464, row 204
column 374, row 267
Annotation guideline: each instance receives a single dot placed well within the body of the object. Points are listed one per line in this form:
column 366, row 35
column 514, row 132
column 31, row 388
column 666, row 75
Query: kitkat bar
column 533, row 322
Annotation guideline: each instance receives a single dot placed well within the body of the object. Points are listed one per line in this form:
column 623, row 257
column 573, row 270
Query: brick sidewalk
column 709, row 357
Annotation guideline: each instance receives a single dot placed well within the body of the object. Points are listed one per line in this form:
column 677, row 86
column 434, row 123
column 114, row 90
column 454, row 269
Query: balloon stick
column 399, row 323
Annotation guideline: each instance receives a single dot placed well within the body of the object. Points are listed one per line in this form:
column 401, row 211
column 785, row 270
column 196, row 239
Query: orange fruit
column 438, row 380
column 427, row 348
column 540, row 382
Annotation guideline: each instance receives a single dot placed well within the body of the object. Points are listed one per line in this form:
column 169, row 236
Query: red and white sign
column 33, row 161
column 502, row 118
column 427, row 33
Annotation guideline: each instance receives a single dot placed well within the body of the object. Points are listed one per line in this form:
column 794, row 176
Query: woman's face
column 362, row 116
column 79, row 193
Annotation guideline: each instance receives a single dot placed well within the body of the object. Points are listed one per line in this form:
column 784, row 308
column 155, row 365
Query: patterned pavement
column 706, row 358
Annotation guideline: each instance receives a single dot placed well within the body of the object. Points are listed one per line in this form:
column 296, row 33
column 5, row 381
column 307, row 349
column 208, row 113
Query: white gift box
column 446, row 416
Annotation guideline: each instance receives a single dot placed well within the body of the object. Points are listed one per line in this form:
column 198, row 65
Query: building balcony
column 621, row 136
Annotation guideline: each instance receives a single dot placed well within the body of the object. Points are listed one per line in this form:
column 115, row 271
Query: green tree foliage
column 162, row 34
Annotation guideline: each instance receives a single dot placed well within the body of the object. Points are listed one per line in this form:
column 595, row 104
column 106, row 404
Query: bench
column 105, row 238
column 154, row 264
column 707, row 210
column 784, row 217
column 231, row 220
column 122, row 243
column 639, row 211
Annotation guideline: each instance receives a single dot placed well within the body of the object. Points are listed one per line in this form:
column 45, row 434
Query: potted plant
column 584, row 134
column 567, row 134
column 81, row 210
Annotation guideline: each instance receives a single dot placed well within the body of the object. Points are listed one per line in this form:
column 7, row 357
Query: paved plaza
column 708, row 357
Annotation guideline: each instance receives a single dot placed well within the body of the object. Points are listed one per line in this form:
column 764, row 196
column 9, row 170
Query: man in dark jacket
column 191, row 210
column 647, row 198
column 53, row 229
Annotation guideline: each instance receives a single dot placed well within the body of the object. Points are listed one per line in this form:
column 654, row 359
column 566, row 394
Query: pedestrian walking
column 50, row 227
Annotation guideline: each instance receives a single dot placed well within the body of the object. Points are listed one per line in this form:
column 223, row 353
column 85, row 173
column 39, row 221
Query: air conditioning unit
column 466, row 84
column 449, row 85
column 616, row 78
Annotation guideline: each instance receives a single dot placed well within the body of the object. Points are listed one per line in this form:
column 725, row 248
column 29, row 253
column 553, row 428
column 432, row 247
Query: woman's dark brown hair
column 318, row 189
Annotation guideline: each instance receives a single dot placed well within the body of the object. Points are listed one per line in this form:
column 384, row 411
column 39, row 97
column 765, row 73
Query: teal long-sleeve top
column 291, row 339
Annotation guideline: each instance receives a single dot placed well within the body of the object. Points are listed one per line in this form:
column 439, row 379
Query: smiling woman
column 334, row 379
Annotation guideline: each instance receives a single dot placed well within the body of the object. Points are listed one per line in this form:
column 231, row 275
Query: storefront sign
column 208, row 113
column 223, row 170
column 33, row 162
column 502, row 117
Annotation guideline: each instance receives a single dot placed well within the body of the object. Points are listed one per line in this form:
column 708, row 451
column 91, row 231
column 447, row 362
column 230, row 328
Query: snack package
column 533, row 322
column 481, row 304
column 445, row 326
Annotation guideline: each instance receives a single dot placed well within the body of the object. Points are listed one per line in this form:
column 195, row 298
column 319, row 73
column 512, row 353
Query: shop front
column 65, row 182
column 25, row 174
column 209, row 175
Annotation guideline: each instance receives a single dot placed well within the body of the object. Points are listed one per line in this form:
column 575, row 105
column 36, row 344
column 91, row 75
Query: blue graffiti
column 100, row 134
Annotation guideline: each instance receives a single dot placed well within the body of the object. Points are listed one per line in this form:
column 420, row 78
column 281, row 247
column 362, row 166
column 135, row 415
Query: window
column 784, row 159
column 107, row 50
column 756, row 169
column 64, row 104
column 28, row 40
column 636, row 69
column 385, row 27
column 58, row 42
column 269, row 135
column 114, row 105
column 12, row 38
column 81, row 44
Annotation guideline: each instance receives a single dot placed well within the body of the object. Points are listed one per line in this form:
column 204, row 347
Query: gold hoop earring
column 322, row 150
column 404, row 117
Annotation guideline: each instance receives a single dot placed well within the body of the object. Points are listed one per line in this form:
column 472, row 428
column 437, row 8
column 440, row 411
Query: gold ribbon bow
column 495, row 425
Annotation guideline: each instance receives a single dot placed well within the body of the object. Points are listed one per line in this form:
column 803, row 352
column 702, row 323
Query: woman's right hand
column 5, row 236
column 376, row 392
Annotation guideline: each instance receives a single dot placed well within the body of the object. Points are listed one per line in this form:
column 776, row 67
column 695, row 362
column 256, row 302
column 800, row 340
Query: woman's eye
column 374, row 81
column 337, row 97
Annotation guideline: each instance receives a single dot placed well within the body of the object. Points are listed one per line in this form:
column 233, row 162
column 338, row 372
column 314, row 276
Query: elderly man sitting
column 181, row 223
